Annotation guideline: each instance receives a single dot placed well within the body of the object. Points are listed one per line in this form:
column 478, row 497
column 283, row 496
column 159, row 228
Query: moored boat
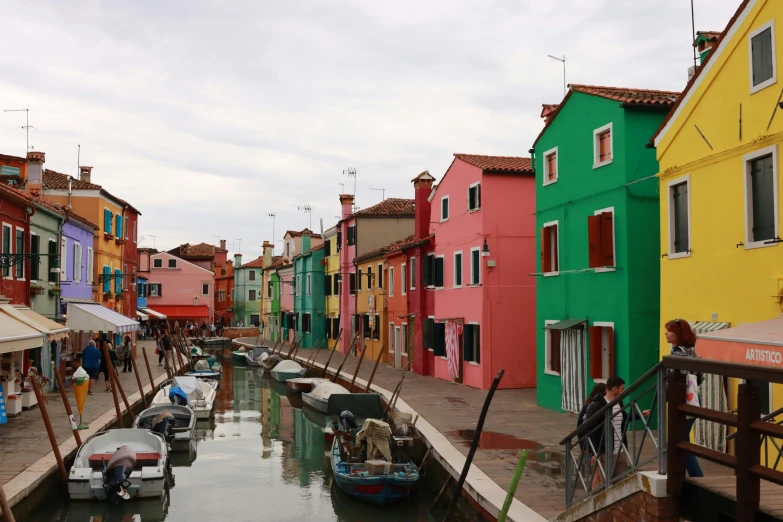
column 304, row 384
column 318, row 398
column 331, row 398
column 251, row 356
column 285, row 370
column 182, row 434
column 196, row 394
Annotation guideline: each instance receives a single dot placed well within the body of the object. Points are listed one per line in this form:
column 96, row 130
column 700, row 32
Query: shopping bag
column 692, row 391
column 157, row 351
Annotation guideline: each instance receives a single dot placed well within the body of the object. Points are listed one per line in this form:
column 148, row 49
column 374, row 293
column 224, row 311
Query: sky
column 208, row 116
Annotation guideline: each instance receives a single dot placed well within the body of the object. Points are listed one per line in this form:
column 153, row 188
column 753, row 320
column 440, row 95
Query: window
column 359, row 280
column 439, row 339
column 306, row 323
column 380, row 275
column 428, row 331
column 117, row 281
column 90, row 264
column 444, row 208
column 251, row 275
column 761, row 199
column 35, row 260
column 154, row 289
column 20, row 250
column 172, row 263
column 307, row 288
column 251, row 295
column 352, row 283
column 327, row 285
column 288, row 249
column 679, row 219
column 552, row 348
column 391, row 337
column 352, row 235
column 118, row 227
column 232, row 294
column 404, row 279
column 327, row 328
column 550, row 249
column 413, row 273
column 298, row 285
column 376, row 332
column 339, row 240
column 438, row 272
column 763, row 72
column 157, row 263
column 328, row 248
column 205, row 289
column 77, row 262
column 457, row 269
column 269, row 290
column 474, row 197
column 600, row 238
column 107, row 221
column 336, row 281
column 125, row 223
column 63, row 257
column 391, row 281
column 550, row 166
column 428, row 270
column 7, row 247
column 471, row 343
column 335, row 327
column 106, row 279
column 602, row 146
column 366, row 326
column 404, row 339
column 255, row 319
column 54, row 261
column 475, row 266
column 601, row 350
column 125, row 275
column 135, row 232
column 369, row 277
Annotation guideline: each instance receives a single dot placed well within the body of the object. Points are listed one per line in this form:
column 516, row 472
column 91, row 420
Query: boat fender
column 117, row 472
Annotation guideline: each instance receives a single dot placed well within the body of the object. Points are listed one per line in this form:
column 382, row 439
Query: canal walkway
column 26, row 456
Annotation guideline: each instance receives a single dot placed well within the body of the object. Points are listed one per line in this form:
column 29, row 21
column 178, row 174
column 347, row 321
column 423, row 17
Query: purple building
column 77, row 239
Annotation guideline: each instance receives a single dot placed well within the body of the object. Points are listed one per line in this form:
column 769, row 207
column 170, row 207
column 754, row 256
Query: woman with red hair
column 683, row 344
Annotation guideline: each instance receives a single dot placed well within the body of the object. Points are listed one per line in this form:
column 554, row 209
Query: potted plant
column 119, row 241
column 55, row 291
column 107, row 235
column 36, row 289
column 107, row 294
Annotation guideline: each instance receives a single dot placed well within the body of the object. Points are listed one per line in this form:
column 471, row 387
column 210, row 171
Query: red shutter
column 551, row 166
column 611, row 351
column 555, row 252
column 546, row 250
column 595, row 352
column 594, row 241
column 604, row 152
column 607, row 239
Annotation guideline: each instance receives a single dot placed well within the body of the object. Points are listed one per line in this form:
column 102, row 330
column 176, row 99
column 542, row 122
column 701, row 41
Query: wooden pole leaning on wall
column 311, row 363
column 67, row 404
column 48, row 424
column 358, row 364
column 149, row 371
column 299, row 345
column 118, row 386
column 375, row 368
column 345, row 357
column 5, row 507
column 334, row 349
column 109, row 365
column 291, row 350
column 138, row 380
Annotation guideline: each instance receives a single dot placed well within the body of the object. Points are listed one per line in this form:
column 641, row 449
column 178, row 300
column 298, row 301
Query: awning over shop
column 52, row 330
column 182, row 312
column 152, row 313
column 93, row 317
column 16, row 336
column 752, row 343
column 701, row 327
column 142, row 316
column 565, row 324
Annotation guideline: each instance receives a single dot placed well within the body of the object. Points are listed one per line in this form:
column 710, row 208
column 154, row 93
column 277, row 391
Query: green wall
column 628, row 296
column 310, row 264
column 47, row 226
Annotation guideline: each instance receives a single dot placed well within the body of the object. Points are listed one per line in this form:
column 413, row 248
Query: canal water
column 260, row 458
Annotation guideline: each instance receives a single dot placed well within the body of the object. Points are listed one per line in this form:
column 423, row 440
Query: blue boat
column 355, row 479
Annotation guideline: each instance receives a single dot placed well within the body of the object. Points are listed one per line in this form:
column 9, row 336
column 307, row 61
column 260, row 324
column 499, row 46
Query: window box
column 107, row 294
column 118, row 294
column 36, row 290
column 119, row 241
column 55, row 291
column 107, row 235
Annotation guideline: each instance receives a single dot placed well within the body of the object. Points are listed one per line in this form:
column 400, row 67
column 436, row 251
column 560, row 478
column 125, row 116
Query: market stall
column 16, row 337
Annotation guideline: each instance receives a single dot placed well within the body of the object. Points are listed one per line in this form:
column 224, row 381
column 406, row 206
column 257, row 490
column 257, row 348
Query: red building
column 224, row 295
column 15, row 212
column 130, row 257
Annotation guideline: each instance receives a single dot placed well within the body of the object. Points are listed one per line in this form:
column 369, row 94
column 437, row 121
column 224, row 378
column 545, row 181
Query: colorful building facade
column 400, row 323
column 371, row 319
column 17, row 208
column 78, row 238
column 597, row 310
column 224, row 294
column 332, row 285
column 45, row 234
column 309, row 299
column 247, row 291
column 179, row 289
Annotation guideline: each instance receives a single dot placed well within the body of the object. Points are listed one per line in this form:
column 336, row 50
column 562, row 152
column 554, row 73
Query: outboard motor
column 347, row 421
column 177, row 396
column 163, row 425
column 116, row 474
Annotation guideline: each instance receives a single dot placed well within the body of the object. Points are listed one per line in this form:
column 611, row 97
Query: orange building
column 224, row 294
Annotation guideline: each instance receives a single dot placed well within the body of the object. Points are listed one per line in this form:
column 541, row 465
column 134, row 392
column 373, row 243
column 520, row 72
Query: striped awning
column 94, row 317
column 701, row 327
column 52, row 330
column 142, row 316
column 153, row 313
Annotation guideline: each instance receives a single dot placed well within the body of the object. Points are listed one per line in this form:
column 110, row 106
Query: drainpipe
column 30, row 211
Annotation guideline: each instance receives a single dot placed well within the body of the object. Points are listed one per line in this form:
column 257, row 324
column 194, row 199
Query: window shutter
column 439, row 272
column 35, row 261
column 336, row 283
column 596, row 359
column 427, row 333
column 475, row 267
column 90, row 265
column 380, row 276
column 118, row 226
column 554, row 352
column 106, row 282
column 604, row 140
column 610, row 348
column 339, row 240
column 476, row 343
column 352, row 283
column 467, row 342
column 478, row 195
column 377, row 330
column 594, row 240
column 54, row 261
column 546, row 250
column 117, row 281
column 607, row 238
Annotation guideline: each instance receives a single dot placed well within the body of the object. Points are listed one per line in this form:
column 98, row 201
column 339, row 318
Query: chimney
column 547, row 110
column 422, row 188
column 705, row 40
column 34, row 181
column 267, row 252
column 237, row 260
column 346, row 200
column 222, row 244
column 85, row 174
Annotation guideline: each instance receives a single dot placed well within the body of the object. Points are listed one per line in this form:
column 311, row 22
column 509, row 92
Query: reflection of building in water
column 225, row 393
column 285, row 430
column 266, row 422
column 241, row 389
column 308, row 447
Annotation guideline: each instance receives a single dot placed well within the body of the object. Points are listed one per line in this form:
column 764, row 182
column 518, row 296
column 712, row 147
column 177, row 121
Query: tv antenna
column 26, row 126
column 239, row 247
column 351, row 173
column 153, row 242
column 342, row 187
column 273, row 215
column 383, row 193
column 563, row 61
column 308, row 209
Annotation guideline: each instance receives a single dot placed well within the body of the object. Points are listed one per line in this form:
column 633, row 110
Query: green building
column 309, row 296
column 247, row 291
column 597, row 290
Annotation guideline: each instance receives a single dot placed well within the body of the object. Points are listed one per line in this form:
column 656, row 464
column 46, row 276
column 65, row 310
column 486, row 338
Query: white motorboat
column 182, row 435
column 285, row 370
column 142, row 473
column 251, row 357
column 319, row 397
column 196, row 394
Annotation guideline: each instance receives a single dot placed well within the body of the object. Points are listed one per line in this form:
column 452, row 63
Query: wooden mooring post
column 48, row 425
column 334, row 349
column 5, row 508
column 67, row 404
column 149, row 371
column 110, row 366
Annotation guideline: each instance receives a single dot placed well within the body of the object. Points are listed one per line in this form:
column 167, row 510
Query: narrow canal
column 260, row 458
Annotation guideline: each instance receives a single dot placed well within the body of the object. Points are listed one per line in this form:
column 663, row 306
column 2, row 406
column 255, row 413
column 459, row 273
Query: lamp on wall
column 485, row 249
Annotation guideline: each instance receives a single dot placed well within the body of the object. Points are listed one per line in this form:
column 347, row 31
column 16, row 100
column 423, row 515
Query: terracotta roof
column 315, row 249
column 8, row 191
column 58, row 181
column 12, row 158
column 60, row 209
column 699, row 69
column 497, row 163
column 391, row 207
column 277, row 261
column 256, row 263
column 424, row 175
column 547, row 108
column 635, row 96
column 200, row 250
column 303, row 232
column 391, row 247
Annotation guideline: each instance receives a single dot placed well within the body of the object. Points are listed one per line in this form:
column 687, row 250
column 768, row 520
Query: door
column 572, row 369
column 403, row 346
column 397, row 348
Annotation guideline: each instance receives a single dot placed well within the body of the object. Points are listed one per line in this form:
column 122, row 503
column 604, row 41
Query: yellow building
column 371, row 302
column 332, row 284
column 722, row 262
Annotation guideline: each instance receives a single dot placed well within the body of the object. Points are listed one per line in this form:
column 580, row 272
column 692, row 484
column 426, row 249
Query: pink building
column 476, row 274
column 179, row 289
column 286, row 275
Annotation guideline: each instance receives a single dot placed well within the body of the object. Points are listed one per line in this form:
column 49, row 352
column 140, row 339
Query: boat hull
column 285, row 375
column 317, row 404
column 303, row 385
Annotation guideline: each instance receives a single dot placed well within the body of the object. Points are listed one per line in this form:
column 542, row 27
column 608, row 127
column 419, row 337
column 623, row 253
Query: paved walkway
column 23, row 440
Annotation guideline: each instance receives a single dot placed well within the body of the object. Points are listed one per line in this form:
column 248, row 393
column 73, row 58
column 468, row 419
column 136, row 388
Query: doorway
column 397, row 348
column 572, row 368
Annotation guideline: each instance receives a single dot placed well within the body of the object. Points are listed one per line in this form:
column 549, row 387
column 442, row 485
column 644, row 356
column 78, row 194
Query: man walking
column 91, row 362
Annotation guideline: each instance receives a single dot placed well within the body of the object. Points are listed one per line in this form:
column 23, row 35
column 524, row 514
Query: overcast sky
column 207, row 116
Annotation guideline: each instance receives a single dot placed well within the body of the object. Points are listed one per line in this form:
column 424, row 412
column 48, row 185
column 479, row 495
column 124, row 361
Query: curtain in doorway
column 572, row 368
column 712, row 435
column 452, row 347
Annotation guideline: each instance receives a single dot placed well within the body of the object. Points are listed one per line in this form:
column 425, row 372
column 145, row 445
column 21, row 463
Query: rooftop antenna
column 383, row 192
column 153, row 242
column 563, row 60
column 351, row 173
column 273, row 215
column 309, row 210
column 693, row 28
column 342, row 188
column 26, row 126
column 79, row 161
column 239, row 248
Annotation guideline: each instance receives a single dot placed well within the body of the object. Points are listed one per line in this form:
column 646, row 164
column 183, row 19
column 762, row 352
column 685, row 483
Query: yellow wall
column 332, row 268
column 718, row 277
column 362, row 307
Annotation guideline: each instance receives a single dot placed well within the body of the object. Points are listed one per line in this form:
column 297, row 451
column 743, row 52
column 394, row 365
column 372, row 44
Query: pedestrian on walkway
column 105, row 364
column 212, row 330
column 204, row 329
column 683, row 341
column 91, row 362
column 167, row 345
column 126, row 352
column 598, row 391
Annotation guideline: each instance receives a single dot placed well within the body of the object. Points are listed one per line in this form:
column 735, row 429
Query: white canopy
column 142, row 316
column 52, row 330
column 16, row 336
column 153, row 313
column 94, row 317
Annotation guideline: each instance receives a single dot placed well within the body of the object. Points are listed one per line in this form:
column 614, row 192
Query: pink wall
column 347, row 255
column 287, row 298
column 181, row 285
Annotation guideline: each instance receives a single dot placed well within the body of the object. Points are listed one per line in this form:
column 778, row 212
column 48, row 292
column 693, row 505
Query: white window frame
column 774, row 79
column 307, row 287
column 90, row 265
column 556, row 251
column 546, row 180
column 11, row 241
column 454, row 271
column 669, row 193
column 157, row 259
column 135, row 232
column 746, row 159
column 390, row 282
column 404, row 278
column 548, row 348
column 404, row 339
column 448, row 208
column 77, row 261
column 470, row 282
column 603, row 324
column 13, row 268
column 63, row 256
column 202, row 288
column 597, row 147
column 150, row 284
column 168, row 263
column 391, row 337
column 614, row 240
column 478, row 197
column 474, row 363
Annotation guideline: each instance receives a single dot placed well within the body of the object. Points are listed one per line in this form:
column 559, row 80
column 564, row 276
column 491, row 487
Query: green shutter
column 119, row 227
column 106, row 281
column 467, row 342
column 54, row 262
column 761, row 51
column 763, row 198
column 117, row 281
column 35, row 259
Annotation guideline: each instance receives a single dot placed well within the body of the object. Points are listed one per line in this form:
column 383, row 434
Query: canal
column 260, row 458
